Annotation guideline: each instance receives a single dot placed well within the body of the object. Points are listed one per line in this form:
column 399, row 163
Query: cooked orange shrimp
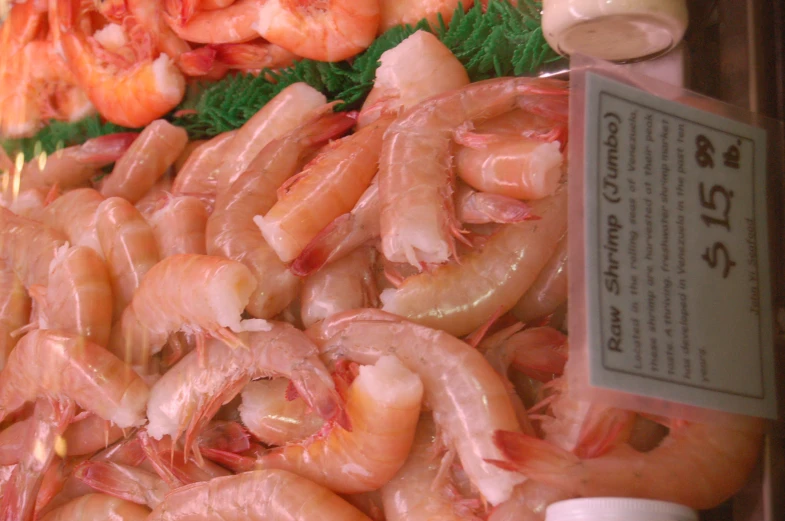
column 98, row 506
column 251, row 56
column 458, row 298
column 74, row 214
column 28, row 248
column 274, row 419
column 77, row 369
column 329, row 186
column 197, row 175
column 129, row 247
column 231, row 231
column 349, row 283
column 149, row 157
column 269, row 495
column 415, row 182
column 78, row 295
column 290, row 108
column 179, row 226
column 189, row 394
column 74, row 166
column 150, row 16
column 395, row 12
column 324, row 31
column 151, row 87
column 414, row 70
column 196, row 293
column 467, row 397
column 419, row 491
column 187, row 8
column 714, row 458
column 14, row 310
column 233, row 24
column 549, row 291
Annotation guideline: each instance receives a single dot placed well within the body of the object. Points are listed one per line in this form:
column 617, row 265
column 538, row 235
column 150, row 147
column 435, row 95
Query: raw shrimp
column 269, row 495
column 549, row 291
column 151, row 87
column 414, row 70
column 78, row 295
column 230, row 230
column 123, row 481
column 329, row 186
column 189, row 149
column 179, row 226
column 274, row 419
column 73, row 166
column 328, row 31
column 528, row 502
column 409, row 12
column 77, row 369
column 98, row 506
column 467, row 397
column 197, row 176
column 74, row 214
column 14, row 310
column 197, row 293
column 419, row 491
column 149, row 157
column 152, row 200
column 383, row 404
column 369, row 503
column 539, row 352
column 472, row 207
column 290, row 108
column 28, row 248
column 348, row 283
column 29, row 204
column 458, row 298
column 415, row 181
column 699, row 465
column 190, row 393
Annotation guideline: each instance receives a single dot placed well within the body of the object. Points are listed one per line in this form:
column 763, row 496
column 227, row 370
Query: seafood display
column 321, row 314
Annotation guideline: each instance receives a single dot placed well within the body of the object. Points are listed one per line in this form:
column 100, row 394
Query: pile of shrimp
column 66, row 59
column 320, row 315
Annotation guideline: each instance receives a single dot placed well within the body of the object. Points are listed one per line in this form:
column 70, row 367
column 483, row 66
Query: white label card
column 677, row 256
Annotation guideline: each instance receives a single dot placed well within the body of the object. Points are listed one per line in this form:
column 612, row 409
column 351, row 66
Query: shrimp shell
column 74, row 214
column 179, row 226
column 197, row 175
column 549, row 291
column 28, row 247
column 98, row 506
column 14, row 310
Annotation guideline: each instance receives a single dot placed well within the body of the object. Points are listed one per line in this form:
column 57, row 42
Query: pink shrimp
column 528, row 502
column 395, row 12
column 234, row 23
column 346, row 284
column 74, row 214
column 98, row 506
column 190, row 393
column 466, row 395
column 74, row 166
column 549, row 291
column 28, row 248
column 230, row 229
column 77, row 369
column 150, row 16
column 415, row 182
column 30, row 204
column 149, row 157
column 329, row 186
column 325, row 31
column 123, row 482
column 472, row 207
column 272, row 418
column 198, row 293
column 152, row 200
column 187, row 8
column 251, row 56
column 197, row 175
column 151, row 86
column 458, row 298
column 270, row 495
column 14, row 310
column 129, row 246
column 179, row 226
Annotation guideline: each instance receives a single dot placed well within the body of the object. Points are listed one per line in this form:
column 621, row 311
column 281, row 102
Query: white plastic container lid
column 618, row 509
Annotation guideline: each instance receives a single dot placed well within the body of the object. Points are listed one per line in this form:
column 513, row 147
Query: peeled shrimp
column 699, row 465
column 549, row 291
column 383, row 404
column 197, row 175
column 28, row 248
column 196, row 293
column 417, row 216
column 77, row 369
column 129, row 246
column 179, row 226
column 149, row 157
column 230, row 229
column 98, row 506
column 329, row 186
column 346, row 284
column 14, row 310
column 458, row 298
column 466, row 395
column 74, row 214
column 269, row 495
column 329, row 32
column 190, row 393
column 409, row 12
column 274, row 419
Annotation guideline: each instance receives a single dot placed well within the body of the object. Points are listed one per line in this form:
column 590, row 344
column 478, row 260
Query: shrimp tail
column 540, row 360
column 164, row 471
column 602, row 429
column 237, row 463
column 318, row 251
column 503, row 209
column 198, row 62
column 106, row 149
column 110, row 478
column 474, row 338
column 319, row 393
column 224, row 435
column 530, row 456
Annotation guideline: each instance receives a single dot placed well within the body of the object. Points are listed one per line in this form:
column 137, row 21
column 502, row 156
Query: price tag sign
column 676, row 269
